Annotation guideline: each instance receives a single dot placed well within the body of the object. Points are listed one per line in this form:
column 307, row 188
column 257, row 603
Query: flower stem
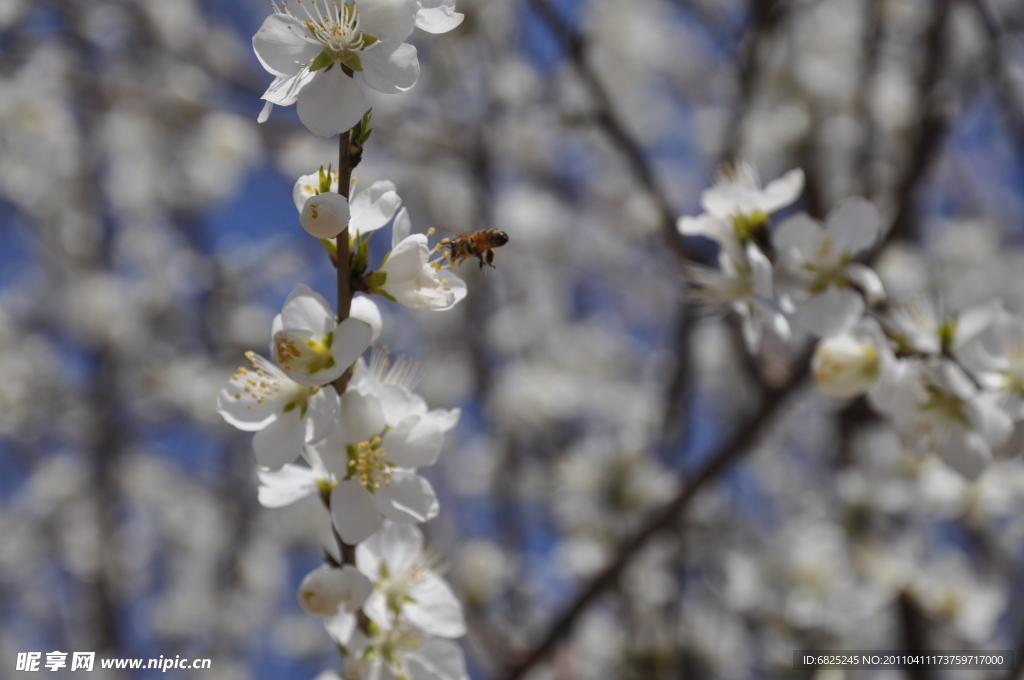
column 348, row 158
column 345, row 167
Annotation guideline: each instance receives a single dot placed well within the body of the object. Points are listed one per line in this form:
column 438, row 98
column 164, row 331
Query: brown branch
column 712, row 468
column 932, row 125
column 1004, row 82
column 608, row 121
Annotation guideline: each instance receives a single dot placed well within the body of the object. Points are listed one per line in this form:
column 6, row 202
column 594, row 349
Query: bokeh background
column 148, row 236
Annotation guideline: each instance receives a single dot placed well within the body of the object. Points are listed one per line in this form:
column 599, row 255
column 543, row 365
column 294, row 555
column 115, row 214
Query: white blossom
column 743, row 283
column 411, row 279
column 406, row 583
column 335, row 594
column 736, row 206
column 325, row 215
column 996, row 357
column 849, row 364
column 284, row 414
column 818, row 268
column 310, row 345
column 437, row 16
column 936, row 408
column 309, row 55
column 369, row 209
column 373, row 482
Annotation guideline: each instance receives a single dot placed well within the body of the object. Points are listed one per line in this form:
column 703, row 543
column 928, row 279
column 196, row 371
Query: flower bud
column 325, row 215
column 327, row 589
column 845, row 366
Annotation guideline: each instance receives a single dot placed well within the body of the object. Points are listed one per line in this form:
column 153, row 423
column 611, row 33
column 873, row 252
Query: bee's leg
column 480, row 256
column 490, row 258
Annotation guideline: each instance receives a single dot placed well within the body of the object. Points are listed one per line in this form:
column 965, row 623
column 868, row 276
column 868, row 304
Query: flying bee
column 478, row 244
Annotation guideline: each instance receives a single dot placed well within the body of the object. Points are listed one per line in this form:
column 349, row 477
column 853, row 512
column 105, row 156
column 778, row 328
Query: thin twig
column 709, row 471
column 608, row 121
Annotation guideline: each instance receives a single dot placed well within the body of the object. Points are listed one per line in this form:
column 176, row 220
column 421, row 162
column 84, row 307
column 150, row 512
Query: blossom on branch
column 816, row 268
column 736, row 208
column 284, row 414
column 310, row 345
column 317, row 54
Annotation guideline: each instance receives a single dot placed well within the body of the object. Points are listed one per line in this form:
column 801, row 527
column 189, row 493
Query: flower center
column 307, row 355
column 336, row 27
column 368, row 464
column 259, row 385
column 747, row 226
column 948, row 406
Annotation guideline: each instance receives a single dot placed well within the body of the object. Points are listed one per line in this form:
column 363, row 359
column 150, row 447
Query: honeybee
column 478, row 244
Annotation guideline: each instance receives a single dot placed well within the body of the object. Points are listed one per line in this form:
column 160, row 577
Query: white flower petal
column 401, row 229
column 280, row 442
column 361, row 416
column 783, row 191
column 854, row 225
column 307, row 310
column 435, row 609
column 366, row 310
column 868, row 281
column 245, row 413
column 390, row 67
column 437, row 16
column 830, row 312
column 282, row 47
column 331, row 103
column 285, row 486
column 387, row 20
column 374, row 207
column 408, row 498
column 761, row 269
column 354, row 512
column 285, row 90
column 321, row 414
column 325, row 215
column 436, row 660
column 407, row 258
column 327, row 589
column 797, row 239
column 340, row 627
column 397, row 545
column 414, row 442
column 966, row 452
column 268, row 107
column 350, row 341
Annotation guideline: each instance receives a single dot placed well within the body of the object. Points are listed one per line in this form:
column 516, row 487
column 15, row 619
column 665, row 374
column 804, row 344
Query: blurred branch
column 765, row 15
column 608, row 121
column 710, row 470
column 872, row 41
column 1004, row 84
column 931, row 125
column 912, row 622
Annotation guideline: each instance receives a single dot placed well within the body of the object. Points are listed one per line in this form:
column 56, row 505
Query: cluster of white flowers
column 361, row 429
column 952, row 383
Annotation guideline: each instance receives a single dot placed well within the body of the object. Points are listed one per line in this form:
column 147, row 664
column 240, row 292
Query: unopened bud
column 325, row 215
column 846, row 366
column 327, row 589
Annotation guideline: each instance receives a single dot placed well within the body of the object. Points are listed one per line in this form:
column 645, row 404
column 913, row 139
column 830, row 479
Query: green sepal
column 352, row 61
column 290, row 406
column 375, row 282
column 361, row 132
column 323, row 60
column 325, row 179
column 331, row 246
column 368, row 40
